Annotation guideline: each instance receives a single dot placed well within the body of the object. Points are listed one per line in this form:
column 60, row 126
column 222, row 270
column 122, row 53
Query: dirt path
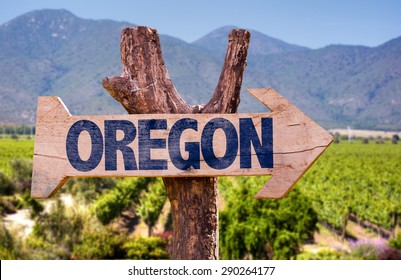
column 21, row 222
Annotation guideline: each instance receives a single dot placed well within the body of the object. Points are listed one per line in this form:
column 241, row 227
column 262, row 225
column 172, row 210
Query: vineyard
column 357, row 182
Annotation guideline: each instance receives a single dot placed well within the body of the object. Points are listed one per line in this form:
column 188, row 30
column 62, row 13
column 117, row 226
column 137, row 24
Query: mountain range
column 53, row 52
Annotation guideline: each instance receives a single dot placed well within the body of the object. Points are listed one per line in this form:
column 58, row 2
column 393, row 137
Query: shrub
column 323, row 254
column 56, row 232
column 8, row 205
column 100, row 245
column 88, row 189
column 7, row 187
column 33, row 204
column 150, row 248
column 127, row 192
column 7, row 251
column 22, row 173
column 105, row 244
column 263, row 229
column 151, row 204
column 109, row 206
column 395, row 242
column 285, row 245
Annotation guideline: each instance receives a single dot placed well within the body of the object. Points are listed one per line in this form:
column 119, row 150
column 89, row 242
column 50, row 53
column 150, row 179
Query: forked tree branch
column 145, row 87
column 226, row 96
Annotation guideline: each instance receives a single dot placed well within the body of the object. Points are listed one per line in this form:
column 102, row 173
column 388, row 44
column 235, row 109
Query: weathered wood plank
column 283, row 143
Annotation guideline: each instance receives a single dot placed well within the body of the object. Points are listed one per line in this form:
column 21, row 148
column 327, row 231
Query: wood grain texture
column 54, row 123
column 145, row 87
column 297, row 142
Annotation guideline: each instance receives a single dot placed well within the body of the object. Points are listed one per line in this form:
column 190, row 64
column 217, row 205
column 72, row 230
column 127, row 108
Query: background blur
column 338, row 61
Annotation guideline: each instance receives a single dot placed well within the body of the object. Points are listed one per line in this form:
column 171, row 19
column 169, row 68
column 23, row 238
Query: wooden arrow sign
column 283, row 144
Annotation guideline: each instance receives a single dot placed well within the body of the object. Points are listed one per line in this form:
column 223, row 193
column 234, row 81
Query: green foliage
column 349, row 179
column 33, row 204
column 395, row 242
column 7, row 244
column 262, row 229
column 110, row 204
column 8, row 204
column 356, row 179
column 87, row 190
column 98, row 245
column 105, row 244
column 362, row 250
column 22, row 173
column 11, row 150
column 7, row 187
column 151, row 204
column 323, row 254
column 11, row 247
column 151, row 248
column 56, row 232
column 285, row 245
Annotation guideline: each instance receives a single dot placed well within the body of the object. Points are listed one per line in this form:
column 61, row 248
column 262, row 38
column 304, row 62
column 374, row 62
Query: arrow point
column 49, row 160
column 46, row 190
column 279, row 185
column 298, row 142
column 293, row 168
column 47, row 176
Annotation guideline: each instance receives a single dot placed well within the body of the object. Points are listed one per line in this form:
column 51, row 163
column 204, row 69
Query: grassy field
column 11, row 149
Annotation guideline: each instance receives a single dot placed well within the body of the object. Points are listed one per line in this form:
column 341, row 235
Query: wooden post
column 145, row 87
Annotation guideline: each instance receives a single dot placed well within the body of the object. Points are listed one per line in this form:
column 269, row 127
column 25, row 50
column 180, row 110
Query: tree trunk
column 148, row 223
column 344, row 226
column 145, row 87
column 394, row 224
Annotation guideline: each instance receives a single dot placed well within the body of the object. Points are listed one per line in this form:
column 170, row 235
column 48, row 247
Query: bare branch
column 226, row 96
column 144, row 87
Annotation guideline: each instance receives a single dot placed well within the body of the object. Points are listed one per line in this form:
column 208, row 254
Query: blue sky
column 311, row 23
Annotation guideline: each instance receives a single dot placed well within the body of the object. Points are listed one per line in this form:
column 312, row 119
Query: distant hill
column 53, row 52
column 340, row 85
column 216, row 43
